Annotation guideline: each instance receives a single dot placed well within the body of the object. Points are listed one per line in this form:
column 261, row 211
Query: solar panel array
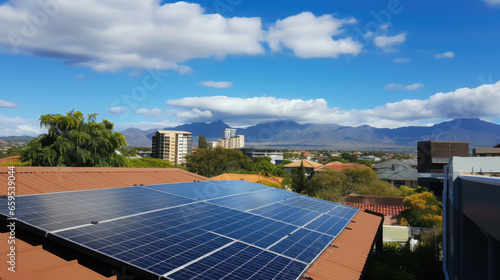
column 199, row 230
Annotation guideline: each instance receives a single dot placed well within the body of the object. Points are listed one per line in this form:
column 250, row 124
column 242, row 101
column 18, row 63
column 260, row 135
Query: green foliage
column 299, row 179
column 73, row 141
column 213, row 162
column 202, row 142
column 424, row 210
column 15, row 163
column 339, row 159
column 149, row 162
column 365, row 162
column 348, row 157
column 399, row 263
column 334, row 185
column 13, row 151
column 406, row 191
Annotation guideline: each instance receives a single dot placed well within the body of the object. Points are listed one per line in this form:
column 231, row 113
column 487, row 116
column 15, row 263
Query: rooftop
column 347, row 257
column 307, row 164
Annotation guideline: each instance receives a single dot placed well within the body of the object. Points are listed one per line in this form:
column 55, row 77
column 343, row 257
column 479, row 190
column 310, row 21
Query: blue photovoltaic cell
column 241, row 185
column 287, row 214
column 328, row 224
column 239, row 261
column 255, row 199
column 67, row 209
column 198, row 190
column 304, row 245
column 198, row 230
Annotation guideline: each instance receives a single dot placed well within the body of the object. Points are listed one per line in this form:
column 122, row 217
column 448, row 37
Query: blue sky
column 151, row 64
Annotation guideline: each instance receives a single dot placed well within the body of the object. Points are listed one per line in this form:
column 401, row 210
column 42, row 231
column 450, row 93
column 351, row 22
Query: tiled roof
column 254, row 178
column 7, row 159
column 386, row 210
column 346, row 260
column 347, row 256
column 34, row 262
column 33, row 180
column 337, row 166
column 307, row 164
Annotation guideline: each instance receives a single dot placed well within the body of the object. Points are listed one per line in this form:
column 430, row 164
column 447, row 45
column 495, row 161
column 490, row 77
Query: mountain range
column 289, row 134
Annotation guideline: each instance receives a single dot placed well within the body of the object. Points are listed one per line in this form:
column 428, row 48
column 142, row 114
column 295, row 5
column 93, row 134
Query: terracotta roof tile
column 254, row 178
column 347, row 259
column 307, row 164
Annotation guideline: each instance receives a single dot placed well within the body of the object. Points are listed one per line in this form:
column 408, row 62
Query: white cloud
column 116, row 110
column 110, row 35
column 447, row 54
column 7, row 104
column 155, row 112
column 394, row 86
column 482, row 101
column 387, row 43
column 80, row 77
column 216, row 84
column 19, row 126
column 402, row 60
column 309, row 36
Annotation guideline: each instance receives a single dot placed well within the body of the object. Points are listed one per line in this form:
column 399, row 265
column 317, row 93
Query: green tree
column 423, row 210
column 299, row 179
column 202, row 142
column 213, row 162
column 348, row 157
column 73, row 141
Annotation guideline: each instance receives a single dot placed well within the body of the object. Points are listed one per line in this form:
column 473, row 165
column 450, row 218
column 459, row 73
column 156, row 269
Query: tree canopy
column 72, row 140
column 423, row 210
column 299, row 179
column 213, row 162
column 202, row 142
column 335, row 185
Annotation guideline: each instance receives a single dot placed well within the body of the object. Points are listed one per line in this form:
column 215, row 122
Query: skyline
column 151, row 64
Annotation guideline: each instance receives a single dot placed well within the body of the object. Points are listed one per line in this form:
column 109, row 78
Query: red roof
column 336, row 165
column 386, row 210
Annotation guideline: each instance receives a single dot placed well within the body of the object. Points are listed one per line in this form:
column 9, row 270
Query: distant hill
column 289, row 134
column 23, row 138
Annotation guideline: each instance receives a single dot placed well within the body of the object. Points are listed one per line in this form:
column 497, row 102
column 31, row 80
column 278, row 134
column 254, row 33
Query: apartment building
column 172, row 145
column 229, row 140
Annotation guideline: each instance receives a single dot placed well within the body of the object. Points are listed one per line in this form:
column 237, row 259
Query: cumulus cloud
column 482, row 101
column 309, row 36
column 387, row 43
column 446, row 55
column 18, row 126
column 402, row 60
column 116, row 110
column 216, row 84
column 394, row 86
column 7, row 104
column 110, row 35
column 155, row 112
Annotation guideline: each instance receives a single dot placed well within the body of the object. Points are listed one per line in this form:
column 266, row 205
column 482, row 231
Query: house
column 390, row 207
column 432, row 158
column 397, row 173
column 45, row 258
column 336, row 165
column 309, row 166
column 275, row 155
column 486, row 152
column 369, row 158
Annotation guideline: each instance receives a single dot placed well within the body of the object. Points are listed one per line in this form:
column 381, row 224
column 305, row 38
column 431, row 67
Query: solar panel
column 198, row 230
